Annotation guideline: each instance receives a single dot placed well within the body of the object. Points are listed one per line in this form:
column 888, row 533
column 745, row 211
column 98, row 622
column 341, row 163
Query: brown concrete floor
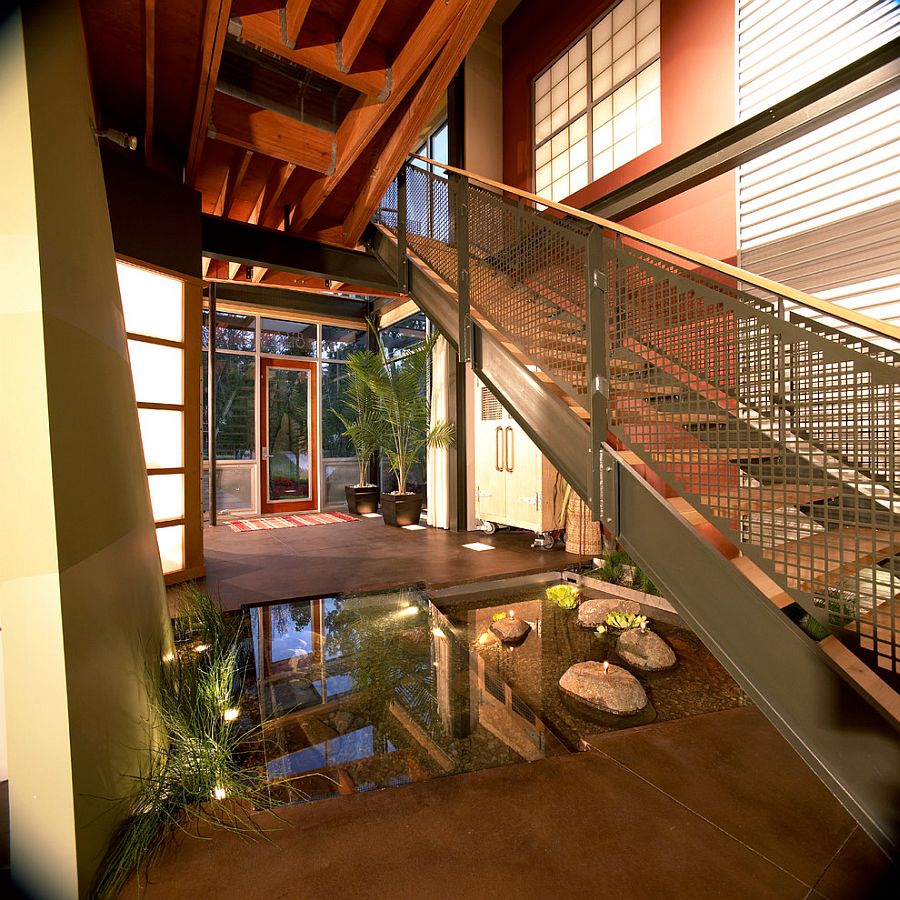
column 260, row 566
column 716, row 806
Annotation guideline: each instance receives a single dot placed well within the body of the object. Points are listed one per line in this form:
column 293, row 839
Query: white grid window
column 614, row 70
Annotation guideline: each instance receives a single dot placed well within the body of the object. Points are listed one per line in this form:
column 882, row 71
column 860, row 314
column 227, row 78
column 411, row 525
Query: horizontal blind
column 822, row 213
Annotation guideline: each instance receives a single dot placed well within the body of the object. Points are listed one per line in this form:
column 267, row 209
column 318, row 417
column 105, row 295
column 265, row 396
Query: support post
column 211, row 403
column 402, row 268
column 461, row 230
column 596, row 288
column 459, row 407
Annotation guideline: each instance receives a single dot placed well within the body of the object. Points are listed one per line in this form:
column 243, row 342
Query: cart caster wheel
column 488, row 527
column 548, row 541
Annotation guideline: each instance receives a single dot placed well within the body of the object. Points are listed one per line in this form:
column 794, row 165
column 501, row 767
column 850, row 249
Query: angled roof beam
column 245, row 125
column 421, row 106
column 215, row 27
column 358, row 29
column 318, row 51
column 365, row 119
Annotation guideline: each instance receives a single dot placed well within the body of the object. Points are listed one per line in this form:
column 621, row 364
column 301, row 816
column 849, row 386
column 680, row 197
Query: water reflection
column 373, row 690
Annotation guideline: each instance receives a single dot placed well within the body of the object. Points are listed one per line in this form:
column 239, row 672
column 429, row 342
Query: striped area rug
column 290, row 521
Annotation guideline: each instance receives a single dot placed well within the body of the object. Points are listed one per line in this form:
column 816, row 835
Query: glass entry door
column 288, row 432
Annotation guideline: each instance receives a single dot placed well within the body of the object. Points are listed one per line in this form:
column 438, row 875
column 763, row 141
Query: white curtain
column 438, row 464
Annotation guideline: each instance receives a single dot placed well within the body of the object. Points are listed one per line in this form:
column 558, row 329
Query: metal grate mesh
column 781, row 427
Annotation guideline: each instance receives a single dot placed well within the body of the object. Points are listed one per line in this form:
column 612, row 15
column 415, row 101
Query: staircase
column 738, row 438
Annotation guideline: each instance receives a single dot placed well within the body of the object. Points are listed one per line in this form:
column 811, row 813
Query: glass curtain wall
column 241, row 338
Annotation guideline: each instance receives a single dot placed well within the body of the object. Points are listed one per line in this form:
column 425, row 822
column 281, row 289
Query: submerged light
column 231, row 714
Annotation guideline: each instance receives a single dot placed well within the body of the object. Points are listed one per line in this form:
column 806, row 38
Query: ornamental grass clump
column 193, row 771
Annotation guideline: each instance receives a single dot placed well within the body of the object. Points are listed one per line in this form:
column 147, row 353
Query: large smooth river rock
column 647, row 652
column 615, row 691
column 592, row 613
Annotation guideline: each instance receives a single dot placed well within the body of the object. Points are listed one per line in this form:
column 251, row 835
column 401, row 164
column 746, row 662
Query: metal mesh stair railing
column 781, row 427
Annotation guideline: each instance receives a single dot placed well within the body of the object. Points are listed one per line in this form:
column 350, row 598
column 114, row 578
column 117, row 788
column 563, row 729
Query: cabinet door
column 490, row 477
column 522, row 467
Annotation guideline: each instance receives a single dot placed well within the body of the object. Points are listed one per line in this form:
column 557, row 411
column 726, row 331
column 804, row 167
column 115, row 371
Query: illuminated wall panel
column 163, row 346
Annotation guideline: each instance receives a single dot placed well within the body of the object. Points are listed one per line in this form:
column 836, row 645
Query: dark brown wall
column 154, row 219
column 697, row 71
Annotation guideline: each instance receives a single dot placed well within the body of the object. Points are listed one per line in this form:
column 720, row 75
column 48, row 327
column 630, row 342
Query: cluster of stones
column 614, row 689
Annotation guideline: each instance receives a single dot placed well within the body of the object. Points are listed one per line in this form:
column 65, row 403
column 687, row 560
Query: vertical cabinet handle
column 509, row 449
column 498, row 439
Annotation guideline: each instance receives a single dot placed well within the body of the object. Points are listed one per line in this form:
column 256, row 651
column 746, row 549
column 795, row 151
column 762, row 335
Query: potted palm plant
column 362, row 427
column 399, row 390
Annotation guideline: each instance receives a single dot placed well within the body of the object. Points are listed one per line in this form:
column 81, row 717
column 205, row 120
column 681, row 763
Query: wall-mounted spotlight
column 128, row 141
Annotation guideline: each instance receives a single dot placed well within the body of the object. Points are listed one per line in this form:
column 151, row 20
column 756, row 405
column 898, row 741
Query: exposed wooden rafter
column 318, row 51
column 357, row 30
column 245, row 125
column 234, row 176
column 292, row 15
column 365, row 119
column 215, row 27
column 420, row 107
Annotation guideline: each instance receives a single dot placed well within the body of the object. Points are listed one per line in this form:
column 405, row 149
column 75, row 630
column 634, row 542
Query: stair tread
column 808, row 561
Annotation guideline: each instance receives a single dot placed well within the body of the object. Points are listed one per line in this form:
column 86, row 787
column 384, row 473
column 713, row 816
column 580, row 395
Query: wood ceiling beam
column 292, row 16
column 318, row 51
column 267, row 202
column 234, row 177
column 365, row 119
column 245, row 125
column 149, row 77
column 215, row 27
column 358, row 29
column 420, row 107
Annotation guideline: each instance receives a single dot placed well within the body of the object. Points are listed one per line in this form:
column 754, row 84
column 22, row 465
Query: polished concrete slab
column 261, row 566
column 715, row 806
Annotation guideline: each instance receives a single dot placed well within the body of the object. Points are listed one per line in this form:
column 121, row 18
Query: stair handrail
column 849, row 316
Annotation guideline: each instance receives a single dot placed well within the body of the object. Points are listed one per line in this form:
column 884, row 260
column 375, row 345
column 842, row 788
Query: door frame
column 267, row 506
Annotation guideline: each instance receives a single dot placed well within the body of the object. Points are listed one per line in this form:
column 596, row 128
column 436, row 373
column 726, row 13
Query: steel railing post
column 461, row 229
column 597, row 333
column 211, row 404
column 402, row 267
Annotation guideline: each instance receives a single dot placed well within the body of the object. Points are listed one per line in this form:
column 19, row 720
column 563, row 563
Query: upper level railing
column 775, row 413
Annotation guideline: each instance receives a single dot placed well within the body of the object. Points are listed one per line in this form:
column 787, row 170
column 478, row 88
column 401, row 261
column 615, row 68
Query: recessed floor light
column 414, row 527
column 371, row 515
column 478, row 546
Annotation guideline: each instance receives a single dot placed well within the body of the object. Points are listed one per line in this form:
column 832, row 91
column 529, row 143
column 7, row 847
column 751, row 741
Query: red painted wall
column 697, row 75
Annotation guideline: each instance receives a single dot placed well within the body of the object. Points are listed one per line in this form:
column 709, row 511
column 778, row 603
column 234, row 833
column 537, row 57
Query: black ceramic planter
column 401, row 509
column 361, row 500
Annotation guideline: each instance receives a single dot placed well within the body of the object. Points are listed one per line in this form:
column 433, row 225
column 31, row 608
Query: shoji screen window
column 613, row 71
column 154, row 308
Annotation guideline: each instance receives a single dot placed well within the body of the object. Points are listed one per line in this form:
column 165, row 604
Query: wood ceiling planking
column 259, row 153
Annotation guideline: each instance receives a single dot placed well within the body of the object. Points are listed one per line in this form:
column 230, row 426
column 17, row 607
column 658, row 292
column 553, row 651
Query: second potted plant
column 399, row 390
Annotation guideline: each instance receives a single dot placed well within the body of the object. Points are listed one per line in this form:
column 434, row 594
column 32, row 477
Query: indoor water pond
column 374, row 690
